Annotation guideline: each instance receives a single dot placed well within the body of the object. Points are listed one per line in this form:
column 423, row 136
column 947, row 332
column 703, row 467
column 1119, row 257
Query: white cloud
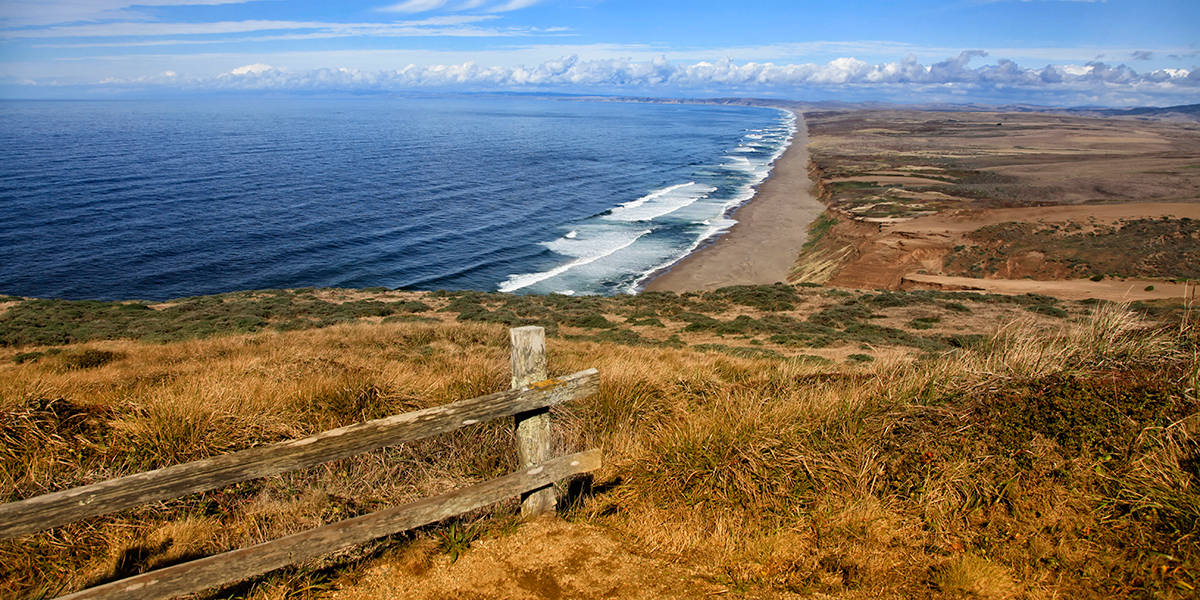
column 133, row 29
column 47, row 12
column 619, row 69
column 514, row 5
column 412, row 6
column 446, row 26
column 254, row 69
column 416, row 6
column 724, row 76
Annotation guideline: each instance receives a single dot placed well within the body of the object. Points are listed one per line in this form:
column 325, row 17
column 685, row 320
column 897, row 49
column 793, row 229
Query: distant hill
column 1186, row 111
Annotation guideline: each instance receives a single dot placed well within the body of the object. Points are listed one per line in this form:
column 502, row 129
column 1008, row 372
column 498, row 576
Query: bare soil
column 545, row 559
column 922, row 198
column 1067, row 289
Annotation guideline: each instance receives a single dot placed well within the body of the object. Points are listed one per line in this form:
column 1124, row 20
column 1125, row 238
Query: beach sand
column 762, row 247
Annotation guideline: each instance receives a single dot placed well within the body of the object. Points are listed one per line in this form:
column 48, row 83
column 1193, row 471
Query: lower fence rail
column 528, row 403
column 236, row 565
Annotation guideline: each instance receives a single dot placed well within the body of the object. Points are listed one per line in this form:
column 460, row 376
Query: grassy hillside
column 771, row 442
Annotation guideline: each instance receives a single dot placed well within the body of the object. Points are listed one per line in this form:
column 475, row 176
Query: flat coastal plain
column 1073, row 205
column 771, row 230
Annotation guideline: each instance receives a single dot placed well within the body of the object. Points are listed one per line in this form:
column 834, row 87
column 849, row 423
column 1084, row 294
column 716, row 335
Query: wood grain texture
column 58, row 508
column 236, row 565
column 528, row 361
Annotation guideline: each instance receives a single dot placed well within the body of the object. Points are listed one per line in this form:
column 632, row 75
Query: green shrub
column 588, row 320
column 646, row 322
column 923, row 322
column 411, row 306
column 89, row 358
column 739, row 351
column 956, row 307
column 1048, row 310
column 777, row 297
column 890, row 299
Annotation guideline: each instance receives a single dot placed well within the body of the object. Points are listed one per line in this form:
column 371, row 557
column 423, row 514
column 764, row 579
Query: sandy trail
column 762, row 247
column 966, row 221
column 1117, row 290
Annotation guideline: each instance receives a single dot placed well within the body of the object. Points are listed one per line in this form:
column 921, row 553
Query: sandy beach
column 771, row 228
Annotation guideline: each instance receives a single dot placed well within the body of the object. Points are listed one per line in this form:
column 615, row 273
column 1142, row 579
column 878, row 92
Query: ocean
column 159, row 199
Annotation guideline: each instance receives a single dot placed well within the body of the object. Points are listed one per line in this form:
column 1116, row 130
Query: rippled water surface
column 162, row 199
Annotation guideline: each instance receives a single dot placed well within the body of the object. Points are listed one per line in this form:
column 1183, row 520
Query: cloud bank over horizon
column 1090, row 83
column 1113, row 52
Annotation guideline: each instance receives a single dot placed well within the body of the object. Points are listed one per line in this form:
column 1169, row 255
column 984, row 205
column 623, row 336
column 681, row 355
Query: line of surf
column 523, row 280
column 715, row 229
column 660, row 202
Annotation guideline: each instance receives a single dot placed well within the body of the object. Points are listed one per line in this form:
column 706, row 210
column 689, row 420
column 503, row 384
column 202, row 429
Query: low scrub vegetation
column 1156, row 248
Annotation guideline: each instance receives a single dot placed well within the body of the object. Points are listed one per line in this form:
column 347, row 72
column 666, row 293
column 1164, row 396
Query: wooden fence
column 529, row 401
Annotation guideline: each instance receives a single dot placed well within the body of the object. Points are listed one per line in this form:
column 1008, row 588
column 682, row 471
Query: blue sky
column 1114, row 52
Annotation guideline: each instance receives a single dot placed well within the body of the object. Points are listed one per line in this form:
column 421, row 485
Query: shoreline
column 771, row 228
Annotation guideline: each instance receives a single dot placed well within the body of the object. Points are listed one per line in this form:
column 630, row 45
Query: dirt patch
column 886, row 179
column 546, row 559
column 967, row 220
column 992, row 159
column 887, row 255
column 1072, row 289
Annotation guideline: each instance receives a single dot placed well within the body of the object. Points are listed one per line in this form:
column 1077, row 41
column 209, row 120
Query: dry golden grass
column 763, row 476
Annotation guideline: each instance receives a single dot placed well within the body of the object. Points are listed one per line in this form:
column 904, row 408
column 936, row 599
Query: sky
column 1054, row 52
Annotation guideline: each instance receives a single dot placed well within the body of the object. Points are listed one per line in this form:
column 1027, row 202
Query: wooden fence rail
column 528, row 402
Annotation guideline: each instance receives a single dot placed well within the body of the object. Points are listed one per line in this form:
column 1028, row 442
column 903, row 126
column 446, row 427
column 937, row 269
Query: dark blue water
column 162, row 199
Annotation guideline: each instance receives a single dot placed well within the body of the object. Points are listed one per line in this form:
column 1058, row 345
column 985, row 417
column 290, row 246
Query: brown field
column 1012, row 196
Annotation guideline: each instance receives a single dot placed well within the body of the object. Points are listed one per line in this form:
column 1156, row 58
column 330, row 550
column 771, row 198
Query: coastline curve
column 763, row 245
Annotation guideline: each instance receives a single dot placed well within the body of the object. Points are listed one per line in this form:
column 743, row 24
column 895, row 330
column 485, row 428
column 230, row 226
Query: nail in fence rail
column 529, row 402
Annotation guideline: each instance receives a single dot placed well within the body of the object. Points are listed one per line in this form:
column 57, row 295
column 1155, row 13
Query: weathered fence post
column 528, row 361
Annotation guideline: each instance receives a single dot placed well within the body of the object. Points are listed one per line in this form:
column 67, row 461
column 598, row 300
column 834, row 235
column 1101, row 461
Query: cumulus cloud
column 254, row 69
column 955, row 74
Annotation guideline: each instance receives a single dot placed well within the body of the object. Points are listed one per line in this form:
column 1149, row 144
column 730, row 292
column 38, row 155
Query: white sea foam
column 585, row 250
column 704, row 203
column 778, row 139
column 741, row 163
column 714, row 227
column 660, row 202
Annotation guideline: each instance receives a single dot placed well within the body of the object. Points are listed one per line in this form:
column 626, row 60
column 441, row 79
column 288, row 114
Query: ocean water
column 170, row 198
